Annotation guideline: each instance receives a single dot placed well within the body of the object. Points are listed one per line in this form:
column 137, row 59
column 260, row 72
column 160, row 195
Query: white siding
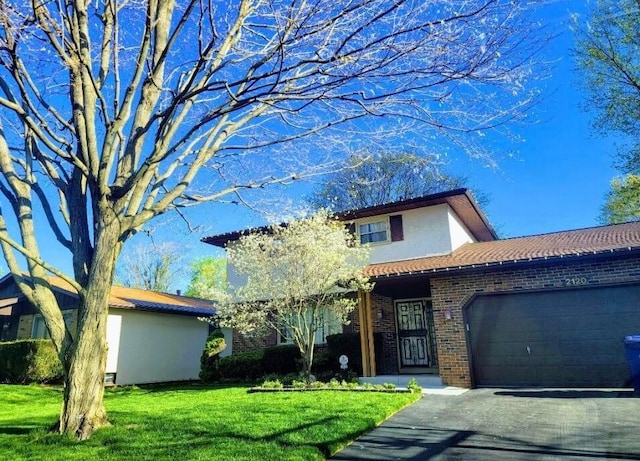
column 159, row 347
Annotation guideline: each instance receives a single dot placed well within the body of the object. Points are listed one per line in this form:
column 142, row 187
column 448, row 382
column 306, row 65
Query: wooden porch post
column 366, row 334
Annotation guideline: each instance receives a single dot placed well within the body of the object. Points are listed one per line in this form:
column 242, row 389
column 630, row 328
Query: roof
column 460, row 200
column 596, row 241
column 138, row 299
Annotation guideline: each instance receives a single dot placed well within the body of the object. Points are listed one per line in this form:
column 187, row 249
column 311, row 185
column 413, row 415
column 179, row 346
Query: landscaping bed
column 334, row 385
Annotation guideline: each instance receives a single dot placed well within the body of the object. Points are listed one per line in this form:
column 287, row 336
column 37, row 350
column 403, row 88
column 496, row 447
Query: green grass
column 195, row 423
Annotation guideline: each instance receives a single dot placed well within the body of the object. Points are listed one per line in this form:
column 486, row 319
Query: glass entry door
column 416, row 333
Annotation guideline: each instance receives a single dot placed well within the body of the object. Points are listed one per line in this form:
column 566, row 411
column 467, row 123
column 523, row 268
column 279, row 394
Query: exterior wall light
column 447, row 313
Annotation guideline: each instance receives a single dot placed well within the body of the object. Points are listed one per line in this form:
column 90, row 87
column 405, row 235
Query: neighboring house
column 452, row 299
column 152, row 337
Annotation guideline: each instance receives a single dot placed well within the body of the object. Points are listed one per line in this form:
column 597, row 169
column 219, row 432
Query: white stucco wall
column 114, row 323
column 426, row 233
column 458, row 231
column 157, row 347
column 429, row 231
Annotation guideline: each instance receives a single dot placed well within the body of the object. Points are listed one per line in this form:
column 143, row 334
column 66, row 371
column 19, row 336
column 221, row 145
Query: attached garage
column 558, row 338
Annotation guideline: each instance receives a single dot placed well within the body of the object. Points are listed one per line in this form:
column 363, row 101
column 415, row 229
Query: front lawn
column 195, row 423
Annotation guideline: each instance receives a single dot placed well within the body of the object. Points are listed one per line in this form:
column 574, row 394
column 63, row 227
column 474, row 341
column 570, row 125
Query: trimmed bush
column 281, row 360
column 252, row 365
column 29, row 361
column 246, row 366
column 347, row 344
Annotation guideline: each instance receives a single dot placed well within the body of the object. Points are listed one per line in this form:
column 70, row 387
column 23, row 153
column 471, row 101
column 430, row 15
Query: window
column 373, row 232
column 328, row 324
column 389, row 229
column 39, row 329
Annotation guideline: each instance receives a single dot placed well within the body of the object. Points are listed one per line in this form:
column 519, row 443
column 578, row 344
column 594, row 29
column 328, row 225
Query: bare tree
column 111, row 108
column 151, row 267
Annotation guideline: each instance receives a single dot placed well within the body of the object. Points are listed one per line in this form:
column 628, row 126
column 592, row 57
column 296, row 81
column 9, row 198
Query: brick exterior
column 242, row 343
column 455, row 291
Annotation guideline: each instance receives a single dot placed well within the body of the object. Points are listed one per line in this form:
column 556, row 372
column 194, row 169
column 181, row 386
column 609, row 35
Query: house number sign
column 575, row 281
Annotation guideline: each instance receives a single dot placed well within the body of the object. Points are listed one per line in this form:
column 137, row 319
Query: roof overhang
column 459, row 200
column 617, row 253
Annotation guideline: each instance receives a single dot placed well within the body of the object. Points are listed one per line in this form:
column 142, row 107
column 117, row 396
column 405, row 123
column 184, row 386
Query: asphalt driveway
column 508, row 424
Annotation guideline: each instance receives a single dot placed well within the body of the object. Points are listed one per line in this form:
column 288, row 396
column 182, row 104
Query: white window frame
column 387, row 230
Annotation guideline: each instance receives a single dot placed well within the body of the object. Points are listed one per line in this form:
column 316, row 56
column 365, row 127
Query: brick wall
column 454, row 292
column 242, row 343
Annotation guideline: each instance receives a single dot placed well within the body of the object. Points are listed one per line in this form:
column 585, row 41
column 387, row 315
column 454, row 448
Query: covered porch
column 397, row 329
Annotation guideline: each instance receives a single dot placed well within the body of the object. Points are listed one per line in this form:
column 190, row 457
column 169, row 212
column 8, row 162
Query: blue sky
column 557, row 180
column 563, row 169
column 560, row 173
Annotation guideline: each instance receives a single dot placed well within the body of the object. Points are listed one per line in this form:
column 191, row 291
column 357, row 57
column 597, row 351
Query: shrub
column 246, row 366
column 29, row 361
column 210, row 356
column 215, row 343
column 325, row 362
column 413, row 385
column 281, row 360
column 275, row 384
column 298, row 384
column 252, row 365
column 345, row 344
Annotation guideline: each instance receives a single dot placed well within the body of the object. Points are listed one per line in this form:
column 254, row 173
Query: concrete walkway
column 508, row 425
column 430, row 384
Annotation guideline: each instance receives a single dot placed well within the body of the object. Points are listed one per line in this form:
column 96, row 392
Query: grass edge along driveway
column 196, row 423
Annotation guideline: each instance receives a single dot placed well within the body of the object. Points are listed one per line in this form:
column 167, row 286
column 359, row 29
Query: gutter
column 542, row 260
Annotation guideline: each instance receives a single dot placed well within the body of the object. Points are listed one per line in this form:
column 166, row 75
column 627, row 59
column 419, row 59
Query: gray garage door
column 559, row 338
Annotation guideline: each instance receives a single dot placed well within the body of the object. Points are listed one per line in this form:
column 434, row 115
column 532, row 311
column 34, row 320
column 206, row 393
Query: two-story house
column 451, row 298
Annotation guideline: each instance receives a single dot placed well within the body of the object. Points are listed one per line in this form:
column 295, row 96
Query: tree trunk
column 83, row 410
column 307, row 360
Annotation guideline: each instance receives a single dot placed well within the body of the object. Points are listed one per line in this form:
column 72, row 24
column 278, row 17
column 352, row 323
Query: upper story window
column 373, row 232
column 388, row 229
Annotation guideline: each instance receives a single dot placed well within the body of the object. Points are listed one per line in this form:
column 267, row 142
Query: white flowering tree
column 113, row 112
column 300, row 278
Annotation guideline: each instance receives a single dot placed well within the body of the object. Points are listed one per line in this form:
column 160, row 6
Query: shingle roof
column 135, row 298
column 620, row 238
column 460, row 200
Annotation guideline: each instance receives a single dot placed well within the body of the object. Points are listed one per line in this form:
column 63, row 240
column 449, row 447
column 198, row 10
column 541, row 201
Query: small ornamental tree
column 299, row 278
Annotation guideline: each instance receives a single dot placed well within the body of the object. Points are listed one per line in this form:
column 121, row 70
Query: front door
column 416, row 334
